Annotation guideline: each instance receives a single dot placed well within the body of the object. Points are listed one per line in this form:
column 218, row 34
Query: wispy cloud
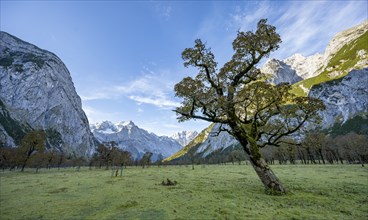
column 304, row 26
column 160, row 101
column 94, row 115
column 151, row 88
column 246, row 19
column 164, row 10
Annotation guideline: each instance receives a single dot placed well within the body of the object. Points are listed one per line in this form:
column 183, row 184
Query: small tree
column 120, row 158
column 104, row 154
column 160, row 158
column 7, row 158
column 315, row 143
column 254, row 111
column 59, row 159
column 32, row 142
column 146, row 159
column 191, row 155
column 38, row 160
column 354, row 145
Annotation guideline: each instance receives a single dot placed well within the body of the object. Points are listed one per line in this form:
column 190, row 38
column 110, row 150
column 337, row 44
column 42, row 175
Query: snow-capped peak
column 184, row 137
column 136, row 140
column 124, row 124
column 104, row 127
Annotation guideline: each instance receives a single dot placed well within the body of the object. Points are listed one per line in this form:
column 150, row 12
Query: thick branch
column 209, row 119
column 209, row 78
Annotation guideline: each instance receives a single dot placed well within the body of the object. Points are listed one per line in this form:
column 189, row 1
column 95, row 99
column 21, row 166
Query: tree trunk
column 271, row 183
column 112, row 171
column 321, row 155
column 116, row 172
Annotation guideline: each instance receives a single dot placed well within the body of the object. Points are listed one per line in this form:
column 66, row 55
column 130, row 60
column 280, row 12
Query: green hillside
column 342, row 62
column 198, row 140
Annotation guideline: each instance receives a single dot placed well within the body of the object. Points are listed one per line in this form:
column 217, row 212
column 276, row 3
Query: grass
column 210, row 192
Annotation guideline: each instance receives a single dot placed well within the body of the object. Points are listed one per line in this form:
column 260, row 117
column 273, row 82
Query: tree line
column 33, row 153
column 315, row 148
column 319, row 148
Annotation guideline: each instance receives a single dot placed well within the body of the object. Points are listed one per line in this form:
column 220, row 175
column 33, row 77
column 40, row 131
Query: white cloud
column 152, row 88
column 304, row 26
column 162, row 101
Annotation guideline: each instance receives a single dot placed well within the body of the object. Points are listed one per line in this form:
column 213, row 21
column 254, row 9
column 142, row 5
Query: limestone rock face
column 36, row 89
column 280, row 72
column 305, row 67
column 344, row 98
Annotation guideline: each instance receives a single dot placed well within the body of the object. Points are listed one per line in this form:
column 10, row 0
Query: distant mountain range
column 136, row 140
column 339, row 77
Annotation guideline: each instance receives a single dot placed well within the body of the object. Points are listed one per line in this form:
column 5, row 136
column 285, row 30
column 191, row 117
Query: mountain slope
column 37, row 92
column 344, row 98
column 197, row 141
column 130, row 137
column 348, row 50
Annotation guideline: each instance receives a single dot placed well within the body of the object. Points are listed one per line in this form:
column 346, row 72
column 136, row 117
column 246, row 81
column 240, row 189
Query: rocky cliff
column 37, row 92
column 344, row 98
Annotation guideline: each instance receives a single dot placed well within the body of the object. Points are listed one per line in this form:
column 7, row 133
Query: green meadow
column 207, row 192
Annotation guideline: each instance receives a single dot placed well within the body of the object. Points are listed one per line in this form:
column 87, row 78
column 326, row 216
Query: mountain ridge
column 130, row 137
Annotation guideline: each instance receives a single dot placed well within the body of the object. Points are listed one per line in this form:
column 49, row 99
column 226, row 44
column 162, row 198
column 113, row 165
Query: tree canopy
column 256, row 112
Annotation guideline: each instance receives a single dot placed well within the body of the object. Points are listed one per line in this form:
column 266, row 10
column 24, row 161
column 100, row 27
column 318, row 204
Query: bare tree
column 146, row 159
column 354, row 145
column 33, row 141
column 315, row 143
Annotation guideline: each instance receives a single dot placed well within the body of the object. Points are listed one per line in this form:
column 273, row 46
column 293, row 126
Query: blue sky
column 125, row 56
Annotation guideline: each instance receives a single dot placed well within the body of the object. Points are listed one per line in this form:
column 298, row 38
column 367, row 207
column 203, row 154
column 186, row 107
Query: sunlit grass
column 210, row 192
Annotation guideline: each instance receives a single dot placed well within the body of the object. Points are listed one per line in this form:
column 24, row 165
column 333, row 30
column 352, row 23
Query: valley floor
column 209, row 192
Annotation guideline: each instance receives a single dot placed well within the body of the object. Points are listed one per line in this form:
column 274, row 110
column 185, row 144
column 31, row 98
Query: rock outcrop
column 344, row 98
column 280, row 72
column 37, row 90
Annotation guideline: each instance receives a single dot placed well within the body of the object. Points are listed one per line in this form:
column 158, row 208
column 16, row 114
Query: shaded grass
column 210, row 192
